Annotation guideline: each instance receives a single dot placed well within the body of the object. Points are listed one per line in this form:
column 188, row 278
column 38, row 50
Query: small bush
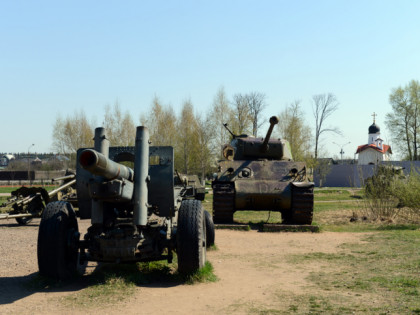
column 380, row 202
column 389, row 194
column 408, row 194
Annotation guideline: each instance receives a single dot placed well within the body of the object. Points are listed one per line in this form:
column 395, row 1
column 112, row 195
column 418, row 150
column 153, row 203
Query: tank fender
column 303, row 184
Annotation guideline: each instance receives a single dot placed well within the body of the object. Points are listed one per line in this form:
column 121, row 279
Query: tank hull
column 262, row 195
column 263, row 185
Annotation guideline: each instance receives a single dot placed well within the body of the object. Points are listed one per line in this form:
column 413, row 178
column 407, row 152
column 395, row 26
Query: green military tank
column 260, row 174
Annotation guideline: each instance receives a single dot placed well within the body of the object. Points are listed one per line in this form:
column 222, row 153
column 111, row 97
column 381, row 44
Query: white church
column 375, row 151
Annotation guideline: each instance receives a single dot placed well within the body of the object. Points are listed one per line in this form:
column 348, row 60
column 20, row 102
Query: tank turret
column 245, row 147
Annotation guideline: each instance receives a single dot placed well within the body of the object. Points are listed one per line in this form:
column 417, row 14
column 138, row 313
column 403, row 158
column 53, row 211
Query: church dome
column 374, row 128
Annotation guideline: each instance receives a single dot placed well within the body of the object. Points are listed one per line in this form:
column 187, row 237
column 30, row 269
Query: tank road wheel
column 57, row 241
column 302, row 206
column 223, row 203
column 210, row 234
column 191, row 237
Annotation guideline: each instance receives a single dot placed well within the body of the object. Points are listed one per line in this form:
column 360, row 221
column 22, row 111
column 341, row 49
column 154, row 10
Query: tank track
column 302, row 206
column 223, row 203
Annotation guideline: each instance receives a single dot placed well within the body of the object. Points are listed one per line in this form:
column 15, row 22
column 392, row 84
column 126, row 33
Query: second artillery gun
column 137, row 214
column 27, row 203
column 260, row 174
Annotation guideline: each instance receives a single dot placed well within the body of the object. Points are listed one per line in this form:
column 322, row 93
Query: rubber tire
column 56, row 257
column 210, row 234
column 191, row 237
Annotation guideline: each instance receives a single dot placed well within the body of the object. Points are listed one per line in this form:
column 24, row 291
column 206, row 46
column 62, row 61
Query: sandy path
column 253, row 269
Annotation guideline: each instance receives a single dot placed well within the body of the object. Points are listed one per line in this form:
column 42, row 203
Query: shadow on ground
column 16, row 288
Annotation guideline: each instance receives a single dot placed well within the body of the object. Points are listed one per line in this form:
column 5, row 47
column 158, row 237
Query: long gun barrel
column 231, row 133
column 64, row 178
column 52, row 193
column 98, row 164
column 273, row 121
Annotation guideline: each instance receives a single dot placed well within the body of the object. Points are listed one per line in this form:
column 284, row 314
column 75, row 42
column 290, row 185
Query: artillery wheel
column 24, row 221
column 57, row 241
column 35, row 207
column 302, row 208
column 191, row 237
column 223, row 203
column 210, row 234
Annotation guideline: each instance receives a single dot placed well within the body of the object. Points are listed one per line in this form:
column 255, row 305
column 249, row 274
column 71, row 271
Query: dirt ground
column 252, row 267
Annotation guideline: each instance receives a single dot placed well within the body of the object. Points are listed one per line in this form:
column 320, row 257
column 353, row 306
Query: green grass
column 208, row 203
column 330, row 194
column 333, row 208
column 339, row 221
column 335, row 217
column 337, row 205
column 205, row 274
column 385, row 266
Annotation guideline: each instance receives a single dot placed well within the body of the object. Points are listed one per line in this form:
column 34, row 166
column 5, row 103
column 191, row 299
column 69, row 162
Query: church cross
column 374, row 115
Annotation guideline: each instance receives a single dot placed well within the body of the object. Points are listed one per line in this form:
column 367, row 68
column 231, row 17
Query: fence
column 353, row 175
column 25, row 177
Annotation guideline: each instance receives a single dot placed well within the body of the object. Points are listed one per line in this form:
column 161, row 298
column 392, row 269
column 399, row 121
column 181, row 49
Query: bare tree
column 220, row 114
column 161, row 121
column 324, row 105
column 241, row 113
column 203, row 155
column 186, row 139
column 72, row 133
column 293, row 128
column 256, row 103
column 120, row 127
column 59, row 140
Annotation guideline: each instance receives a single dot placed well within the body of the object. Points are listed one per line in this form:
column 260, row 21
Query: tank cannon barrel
column 98, row 164
column 273, row 121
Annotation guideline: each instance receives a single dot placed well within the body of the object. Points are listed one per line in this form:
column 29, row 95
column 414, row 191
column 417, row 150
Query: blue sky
column 58, row 57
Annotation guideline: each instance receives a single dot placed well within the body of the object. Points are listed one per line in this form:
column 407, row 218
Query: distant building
column 36, row 162
column 5, row 159
column 375, row 151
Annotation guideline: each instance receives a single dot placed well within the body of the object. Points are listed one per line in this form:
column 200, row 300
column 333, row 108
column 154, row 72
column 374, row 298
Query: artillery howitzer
column 137, row 214
column 27, row 203
column 260, row 174
column 192, row 186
